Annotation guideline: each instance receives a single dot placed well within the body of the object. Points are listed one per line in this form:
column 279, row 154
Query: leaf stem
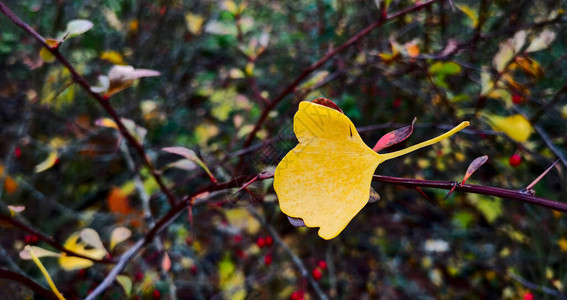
column 426, row 143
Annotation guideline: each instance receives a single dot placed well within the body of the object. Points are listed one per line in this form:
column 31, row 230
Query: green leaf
column 491, row 209
column 126, row 283
column 77, row 27
column 441, row 68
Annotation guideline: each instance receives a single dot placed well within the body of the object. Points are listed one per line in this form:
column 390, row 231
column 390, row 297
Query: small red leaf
column 475, row 164
column 328, row 103
column 394, row 137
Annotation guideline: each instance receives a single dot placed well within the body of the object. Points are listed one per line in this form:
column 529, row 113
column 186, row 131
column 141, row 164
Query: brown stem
column 78, row 78
column 50, row 240
column 28, row 283
column 475, row 189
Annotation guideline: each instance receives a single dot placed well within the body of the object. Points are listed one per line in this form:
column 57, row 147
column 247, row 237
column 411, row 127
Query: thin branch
column 78, row 78
column 50, row 240
column 28, row 283
column 475, row 189
column 307, row 71
column 296, row 260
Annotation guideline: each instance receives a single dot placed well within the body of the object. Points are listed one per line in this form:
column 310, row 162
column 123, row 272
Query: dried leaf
column 39, row 252
column 529, row 66
column 119, row 235
column 190, row 155
column 117, row 201
column 122, row 77
column 475, row 164
column 16, row 209
column 504, row 55
column 394, row 137
column 542, row 41
column 166, row 262
column 328, row 103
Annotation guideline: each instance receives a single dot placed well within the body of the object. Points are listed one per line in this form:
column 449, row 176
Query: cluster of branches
column 179, row 203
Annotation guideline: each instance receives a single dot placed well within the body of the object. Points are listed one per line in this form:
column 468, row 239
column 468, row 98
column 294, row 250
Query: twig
column 550, row 144
column 296, row 260
column 475, row 189
column 161, row 224
column 78, row 78
column 28, row 283
column 536, row 287
column 50, row 240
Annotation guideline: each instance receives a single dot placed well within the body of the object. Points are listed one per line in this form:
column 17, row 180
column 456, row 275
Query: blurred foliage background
column 220, row 63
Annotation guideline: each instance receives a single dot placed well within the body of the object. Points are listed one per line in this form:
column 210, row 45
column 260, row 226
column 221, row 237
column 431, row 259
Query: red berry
column 297, row 295
column 529, row 296
column 515, row 160
column 316, row 273
column 261, row 242
column 30, row 238
column 193, row 269
column 237, row 238
column 517, row 99
column 156, row 294
column 240, row 253
column 81, row 272
column 17, row 152
column 139, row 276
column 269, row 241
column 268, row 259
column 397, row 102
column 322, row 264
column 189, row 241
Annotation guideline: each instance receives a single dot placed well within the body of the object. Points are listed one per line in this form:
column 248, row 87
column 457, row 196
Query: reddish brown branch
column 50, row 240
column 78, row 78
column 307, row 71
column 476, row 189
column 28, row 283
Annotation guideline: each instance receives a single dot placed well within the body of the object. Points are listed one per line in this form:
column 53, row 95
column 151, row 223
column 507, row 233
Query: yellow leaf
column 471, row 13
column 46, row 55
column 562, row 244
column 194, row 23
column 47, row 163
column 325, row 179
column 517, row 127
column 119, row 235
column 113, row 57
column 243, row 220
column 70, row 263
column 44, row 272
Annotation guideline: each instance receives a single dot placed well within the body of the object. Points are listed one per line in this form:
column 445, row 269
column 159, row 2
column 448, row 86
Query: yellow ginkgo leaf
column 325, row 179
column 70, row 263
